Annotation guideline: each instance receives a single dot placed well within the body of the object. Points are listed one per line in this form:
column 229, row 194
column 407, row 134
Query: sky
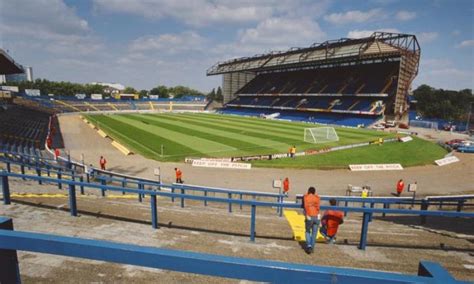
column 145, row 43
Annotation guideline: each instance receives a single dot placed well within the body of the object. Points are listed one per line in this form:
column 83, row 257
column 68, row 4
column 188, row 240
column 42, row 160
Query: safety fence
column 253, row 204
column 192, row 262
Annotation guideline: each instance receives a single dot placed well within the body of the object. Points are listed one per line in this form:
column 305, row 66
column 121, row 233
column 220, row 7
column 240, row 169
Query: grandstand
column 347, row 81
column 63, row 104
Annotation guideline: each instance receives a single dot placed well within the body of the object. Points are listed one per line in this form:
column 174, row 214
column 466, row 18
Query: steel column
column 363, row 234
column 8, row 258
column 6, row 190
column 72, row 200
column 154, row 213
column 252, row 223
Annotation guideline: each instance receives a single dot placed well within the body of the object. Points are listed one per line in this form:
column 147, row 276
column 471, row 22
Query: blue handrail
column 200, row 263
column 367, row 212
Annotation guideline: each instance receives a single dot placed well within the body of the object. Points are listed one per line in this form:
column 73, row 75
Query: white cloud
column 466, row 43
column 456, row 32
column 49, row 16
column 271, row 35
column 442, row 73
column 169, row 43
column 355, row 16
column 51, row 24
column 367, row 33
column 205, row 12
column 405, row 15
column 427, row 37
column 281, row 31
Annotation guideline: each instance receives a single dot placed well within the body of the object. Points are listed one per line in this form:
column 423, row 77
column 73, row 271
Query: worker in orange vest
column 312, row 218
column 56, row 154
column 330, row 222
column 400, row 187
column 179, row 175
column 286, row 186
column 102, row 163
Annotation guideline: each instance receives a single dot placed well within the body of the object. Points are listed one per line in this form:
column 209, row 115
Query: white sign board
column 412, row 187
column 96, row 97
column 223, row 165
column 80, row 96
column 216, row 159
column 277, row 183
column 154, row 97
column 376, row 167
column 9, row 88
column 447, row 161
column 156, row 171
column 32, row 92
column 406, row 139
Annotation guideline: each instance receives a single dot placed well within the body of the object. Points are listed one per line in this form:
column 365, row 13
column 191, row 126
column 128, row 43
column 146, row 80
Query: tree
column 143, row 93
column 219, row 96
column 129, row 90
column 444, row 104
column 161, row 91
column 212, row 95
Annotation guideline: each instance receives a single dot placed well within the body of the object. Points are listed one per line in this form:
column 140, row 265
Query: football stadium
column 121, row 188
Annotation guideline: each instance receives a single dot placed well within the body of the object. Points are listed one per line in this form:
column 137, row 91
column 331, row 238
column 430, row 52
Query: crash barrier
column 192, row 262
column 253, row 204
column 183, row 188
column 459, row 201
column 104, row 177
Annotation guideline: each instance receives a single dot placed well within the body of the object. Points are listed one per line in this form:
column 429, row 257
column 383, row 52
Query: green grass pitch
column 212, row 135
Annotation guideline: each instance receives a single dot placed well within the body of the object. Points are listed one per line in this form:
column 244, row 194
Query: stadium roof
column 378, row 45
column 8, row 65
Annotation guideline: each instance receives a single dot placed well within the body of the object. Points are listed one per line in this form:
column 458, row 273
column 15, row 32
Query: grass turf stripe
column 199, row 144
column 241, row 142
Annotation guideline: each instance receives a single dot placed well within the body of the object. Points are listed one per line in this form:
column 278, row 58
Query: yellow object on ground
column 102, row 133
column 121, row 148
column 296, row 222
column 152, row 107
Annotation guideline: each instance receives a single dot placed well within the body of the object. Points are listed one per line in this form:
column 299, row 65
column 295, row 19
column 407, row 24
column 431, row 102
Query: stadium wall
column 233, row 82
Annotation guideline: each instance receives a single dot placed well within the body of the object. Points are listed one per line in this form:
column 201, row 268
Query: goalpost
column 320, row 135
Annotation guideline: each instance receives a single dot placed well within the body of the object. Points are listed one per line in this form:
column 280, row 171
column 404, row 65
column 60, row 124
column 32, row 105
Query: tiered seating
column 23, row 127
column 71, row 104
column 342, row 95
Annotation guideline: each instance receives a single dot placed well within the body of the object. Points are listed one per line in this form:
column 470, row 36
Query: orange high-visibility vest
column 311, row 204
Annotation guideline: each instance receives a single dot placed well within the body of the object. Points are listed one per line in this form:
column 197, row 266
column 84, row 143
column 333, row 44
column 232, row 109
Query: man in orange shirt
column 330, row 222
column 286, row 186
column 56, row 154
column 400, row 187
column 179, row 175
column 102, row 163
column 311, row 210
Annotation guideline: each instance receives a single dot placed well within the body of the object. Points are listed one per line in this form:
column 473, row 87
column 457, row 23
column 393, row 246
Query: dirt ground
column 80, row 140
column 395, row 243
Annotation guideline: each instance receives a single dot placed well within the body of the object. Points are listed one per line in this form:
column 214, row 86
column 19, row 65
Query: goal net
column 320, row 135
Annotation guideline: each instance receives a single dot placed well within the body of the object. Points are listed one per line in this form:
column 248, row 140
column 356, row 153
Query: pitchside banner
column 447, row 161
column 96, row 97
column 376, row 167
column 32, row 92
column 224, row 165
column 9, row 88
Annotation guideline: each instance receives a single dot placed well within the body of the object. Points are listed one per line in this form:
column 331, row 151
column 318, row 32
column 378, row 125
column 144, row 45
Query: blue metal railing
column 200, row 263
column 367, row 212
